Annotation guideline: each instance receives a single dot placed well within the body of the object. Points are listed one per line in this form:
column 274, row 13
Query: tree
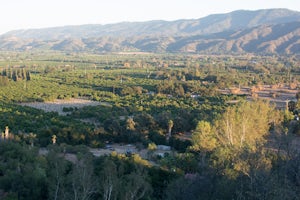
column 170, row 126
column 203, row 138
column 31, row 138
column 245, row 124
column 292, row 106
column 109, row 180
column 82, row 178
column 53, row 139
column 239, row 132
column 28, row 76
column 22, row 172
column 190, row 188
column 6, row 133
column 57, row 174
column 15, row 76
column 151, row 148
column 24, row 74
column 134, row 186
column 144, row 122
column 130, row 124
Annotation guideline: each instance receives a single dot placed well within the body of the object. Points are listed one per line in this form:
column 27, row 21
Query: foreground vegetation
column 224, row 146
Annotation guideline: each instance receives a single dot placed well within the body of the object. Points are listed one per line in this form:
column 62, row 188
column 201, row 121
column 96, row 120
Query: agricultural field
column 119, row 94
column 113, row 112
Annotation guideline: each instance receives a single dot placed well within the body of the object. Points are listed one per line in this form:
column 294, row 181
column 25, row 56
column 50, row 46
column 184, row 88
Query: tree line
column 245, row 153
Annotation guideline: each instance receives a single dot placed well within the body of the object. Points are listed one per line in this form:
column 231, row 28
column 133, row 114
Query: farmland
column 112, row 95
column 93, row 108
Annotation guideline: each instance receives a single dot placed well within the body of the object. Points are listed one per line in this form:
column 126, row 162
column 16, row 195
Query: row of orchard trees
column 16, row 74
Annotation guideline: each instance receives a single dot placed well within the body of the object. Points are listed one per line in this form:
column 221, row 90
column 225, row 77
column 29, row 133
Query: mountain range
column 261, row 31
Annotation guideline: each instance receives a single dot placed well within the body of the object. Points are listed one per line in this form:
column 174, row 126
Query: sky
column 27, row 14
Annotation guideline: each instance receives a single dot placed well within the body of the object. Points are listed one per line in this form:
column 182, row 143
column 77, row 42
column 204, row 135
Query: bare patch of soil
column 58, row 105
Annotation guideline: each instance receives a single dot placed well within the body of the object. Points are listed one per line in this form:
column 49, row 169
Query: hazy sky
column 24, row 14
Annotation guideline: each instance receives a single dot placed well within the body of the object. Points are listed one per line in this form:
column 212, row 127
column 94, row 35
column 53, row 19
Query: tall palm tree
column 170, row 126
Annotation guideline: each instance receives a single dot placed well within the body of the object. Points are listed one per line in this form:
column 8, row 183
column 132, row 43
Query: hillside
column 280, row 38
column 262, row 31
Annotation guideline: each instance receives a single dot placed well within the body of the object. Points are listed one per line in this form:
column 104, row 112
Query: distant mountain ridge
column 261, row 31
